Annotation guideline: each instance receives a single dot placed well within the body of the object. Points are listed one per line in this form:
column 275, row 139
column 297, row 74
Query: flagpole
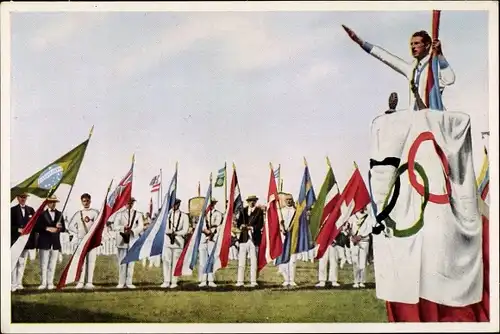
column 71, row 188
column 277, row 199
column 279, row 175
column 281, row 186
column 199, row 189
column 225, row 186
column 160, row 201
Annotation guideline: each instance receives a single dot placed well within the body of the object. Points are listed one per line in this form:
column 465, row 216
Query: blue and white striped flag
column 151, row 242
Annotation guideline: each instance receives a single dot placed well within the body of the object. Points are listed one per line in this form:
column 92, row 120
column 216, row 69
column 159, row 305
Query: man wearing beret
column 177, row 228
column 20, row 215
column 250, row 223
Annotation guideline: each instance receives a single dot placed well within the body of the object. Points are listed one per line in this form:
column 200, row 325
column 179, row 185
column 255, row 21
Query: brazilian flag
column 63, row 170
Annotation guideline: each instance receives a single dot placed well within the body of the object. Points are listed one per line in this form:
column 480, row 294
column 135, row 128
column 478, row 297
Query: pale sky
column 202, row 88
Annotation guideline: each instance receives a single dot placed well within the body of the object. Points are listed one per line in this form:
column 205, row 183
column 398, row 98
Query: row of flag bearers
column 127, row 225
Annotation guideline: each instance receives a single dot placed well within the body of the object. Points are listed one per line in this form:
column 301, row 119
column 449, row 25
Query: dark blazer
column 18, row 221
column 256, row 220
column 46, row 240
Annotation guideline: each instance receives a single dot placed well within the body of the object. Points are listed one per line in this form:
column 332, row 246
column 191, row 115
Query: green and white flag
column 221, row 177
column 63, row 170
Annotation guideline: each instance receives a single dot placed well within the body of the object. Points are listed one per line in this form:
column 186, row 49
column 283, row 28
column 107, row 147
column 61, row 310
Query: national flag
column 354, row 198
column 61, row 171
column 271, row 245
column 219, row 257
column 113, row 202
column 18, row 247
column 189, row 254
column 483, row 182
column 433, row 93
column 150, row 243
column 327, row 198
column 155, row 183
column 221, row 177
column 298, row 239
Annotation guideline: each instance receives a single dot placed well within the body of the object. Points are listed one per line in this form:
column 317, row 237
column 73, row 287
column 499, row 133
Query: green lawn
column 189, row 304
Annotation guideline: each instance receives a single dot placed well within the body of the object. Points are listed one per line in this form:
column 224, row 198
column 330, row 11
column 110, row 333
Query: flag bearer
column 79, row 226
column 288, row 269
column 213, row 219
column 360, row 243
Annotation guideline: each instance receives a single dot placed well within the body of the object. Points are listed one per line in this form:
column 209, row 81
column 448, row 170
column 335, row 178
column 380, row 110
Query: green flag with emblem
column 61, row 171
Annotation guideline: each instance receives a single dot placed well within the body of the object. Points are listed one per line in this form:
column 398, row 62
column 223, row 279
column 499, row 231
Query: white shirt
column 178, row 223
column 288, row 213
column 123, row 219
column 213, row 220
column 82, row 221
column 23, row 210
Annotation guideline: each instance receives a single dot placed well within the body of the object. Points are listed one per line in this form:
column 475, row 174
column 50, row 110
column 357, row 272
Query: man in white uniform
column 288, row 269
column 360, row 243
column 422, row 48
column 332, row 256
column 79, row 226
column 127, row 224
column 177, row 228
column 213, row 220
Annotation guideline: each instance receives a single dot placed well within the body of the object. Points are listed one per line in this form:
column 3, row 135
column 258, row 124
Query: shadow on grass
column 24, row 312
column 223, row 286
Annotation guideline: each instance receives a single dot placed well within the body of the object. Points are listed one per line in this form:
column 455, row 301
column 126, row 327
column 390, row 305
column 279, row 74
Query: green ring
column 417, row 226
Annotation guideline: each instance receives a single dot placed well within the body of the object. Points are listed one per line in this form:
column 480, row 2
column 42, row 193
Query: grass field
column 269, row 303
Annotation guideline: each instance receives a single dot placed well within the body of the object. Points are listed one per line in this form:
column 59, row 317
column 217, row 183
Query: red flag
column 271, row 245
column 17, row 248
column 354, row 198
column 112, row 203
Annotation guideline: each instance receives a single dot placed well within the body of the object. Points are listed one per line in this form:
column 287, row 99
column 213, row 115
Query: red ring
column 434, row 198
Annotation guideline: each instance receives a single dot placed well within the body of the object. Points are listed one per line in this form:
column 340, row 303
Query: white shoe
column 51, row 287
column 355, row 285
column 293, row 284
column 173, row 286
column 239, row 284
column 89, row 286
column 120, row 286
column 212, row 284
column 13, row 289
column 361, row 285
column 335, row 284
column 285, row 284
column 320, row 285
column 79, row 286
column 19, row 287
column 42, row 287
column 202, row 284
column 165, row 285
column 130, row 286
column 253, row 285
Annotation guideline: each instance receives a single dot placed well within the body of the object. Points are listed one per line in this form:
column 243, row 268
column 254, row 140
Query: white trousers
column 87, row 275
column 170, row 256
column 48, row 262
column 288, row 269
column 18, row 272
column 247, row 248
column 332, row 256
column 233, row 253
column 125, row 271
column 359, row 254
column 205, row 251
column 348, row 255
column 32, row 254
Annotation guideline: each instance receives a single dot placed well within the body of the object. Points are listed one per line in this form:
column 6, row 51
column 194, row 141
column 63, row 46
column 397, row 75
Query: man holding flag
column 212, row 222
column 360, row 242
column 79, row 226
column 127, row 224
column 422, row 48
column 20, row 215
column 288, row 268
column 177, row 228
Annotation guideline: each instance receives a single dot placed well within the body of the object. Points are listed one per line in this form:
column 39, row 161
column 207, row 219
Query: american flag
column 155, row 183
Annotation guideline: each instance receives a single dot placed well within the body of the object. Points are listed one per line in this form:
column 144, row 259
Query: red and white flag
column 155, row 183
column 112, row 203
column 271, row 245
column 353, row 199
column 17, row 248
